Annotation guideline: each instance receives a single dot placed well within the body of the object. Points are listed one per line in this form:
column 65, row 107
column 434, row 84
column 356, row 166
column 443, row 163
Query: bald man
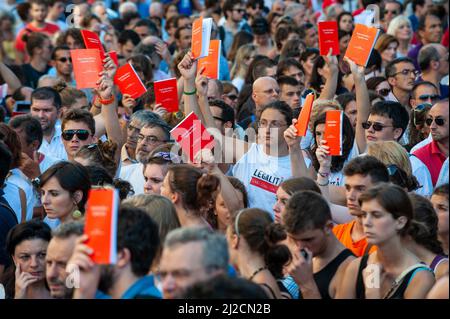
column 433, row 61
column 265, row 90
column 156, row 9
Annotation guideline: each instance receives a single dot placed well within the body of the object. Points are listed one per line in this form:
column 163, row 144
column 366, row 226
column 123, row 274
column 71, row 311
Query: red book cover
column 129, row 82
column 328, row 37
column 333, row 131
column 305, row 114
column 92, row 41
column 114, row 57
column 211, row 62
column 166, row 94
column 87, row 66
column 101, row 224
column 192, row 136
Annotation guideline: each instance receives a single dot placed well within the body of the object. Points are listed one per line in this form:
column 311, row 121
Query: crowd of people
column 264, row 214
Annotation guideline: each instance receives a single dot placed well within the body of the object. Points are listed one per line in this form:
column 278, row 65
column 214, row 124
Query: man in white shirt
column 46, row 107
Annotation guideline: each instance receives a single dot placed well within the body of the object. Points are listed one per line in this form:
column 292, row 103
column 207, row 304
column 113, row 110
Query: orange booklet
column 166, row 94
column 92, row 41
column 333, row 131
column 101, row 224
column 87, row 65
column 361, row 44
column 129, row 82
column 305, row 114
column 192, row 136
column 328, row 37
column 211, row 63
column 201, row 35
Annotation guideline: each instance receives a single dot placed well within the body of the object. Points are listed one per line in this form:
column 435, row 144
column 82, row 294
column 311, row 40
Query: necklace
column 257, row 272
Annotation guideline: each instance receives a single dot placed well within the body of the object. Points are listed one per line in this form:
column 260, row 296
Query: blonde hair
column 239, row 65
column 390, row 152
column 395, row 24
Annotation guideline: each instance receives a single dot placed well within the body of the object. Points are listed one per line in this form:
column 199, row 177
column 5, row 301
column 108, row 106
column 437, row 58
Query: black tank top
column 398, row 293
column 324, row 276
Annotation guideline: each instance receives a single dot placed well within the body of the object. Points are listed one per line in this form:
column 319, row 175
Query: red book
column 333, row 131
column 114, row 57
column 328, row 37
column 87, row 66
column 166, row 94
column 192, row 136
column 211, row 63
column 361, row 44
column 92, row 41
column 305, row 114
column 129, row 82
column 101, row 224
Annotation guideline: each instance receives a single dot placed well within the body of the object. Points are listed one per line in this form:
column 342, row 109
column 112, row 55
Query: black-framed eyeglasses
column 376, row 126
column 426, row 97
column 384, row 92
column 407, row 72
column 82, row 135
column 438, row 120
column 64, row 60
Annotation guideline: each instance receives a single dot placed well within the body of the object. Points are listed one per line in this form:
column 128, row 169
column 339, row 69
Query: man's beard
column 107, row 278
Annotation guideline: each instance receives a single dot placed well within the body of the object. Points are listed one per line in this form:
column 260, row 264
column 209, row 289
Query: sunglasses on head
column 376, row 126
column 419, row 109
column 384, row 92
column 439, row 121
column 82, row 135
column 64, row 60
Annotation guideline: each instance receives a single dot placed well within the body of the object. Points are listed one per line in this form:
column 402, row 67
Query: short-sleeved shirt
column 32, row 75
column 55, row 148
column 343, row 232
column 433, row 158
column 49, row 30
column 134, row 174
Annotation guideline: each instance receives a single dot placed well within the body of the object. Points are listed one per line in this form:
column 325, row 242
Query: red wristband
column 108, row 101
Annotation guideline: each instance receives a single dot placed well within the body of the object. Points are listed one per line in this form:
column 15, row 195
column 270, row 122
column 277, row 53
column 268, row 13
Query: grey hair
column 68, row 229
column 292, row 9
column 215, row 248
column 146, row 117
column 427, row 54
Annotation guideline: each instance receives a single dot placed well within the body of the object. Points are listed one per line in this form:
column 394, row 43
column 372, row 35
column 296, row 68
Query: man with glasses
column 62, row 62
column 234, row 11
column 435, row 153
column 78, row 129
column 433, row 62
column 423, row 92
column 388, row 122
column 191, row 255
column 401, row 75
column 392, row 8
column 152, row 134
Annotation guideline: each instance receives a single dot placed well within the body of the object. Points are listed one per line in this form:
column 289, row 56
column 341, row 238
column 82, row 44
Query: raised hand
column 109, row 67
column 160, row 110
column 162, row 50
column 105, row 86
column 290, row 136
column 23, row 281
column 323, row 157
column 356, row 70
column 188, row 67
column 128, row 102
column 201, row 84
column 300, row 267
column 331, row 61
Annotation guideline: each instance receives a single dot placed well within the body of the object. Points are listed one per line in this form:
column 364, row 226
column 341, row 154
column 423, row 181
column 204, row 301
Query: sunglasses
column 384, row 92
column 390, row 11
column 64, row 60
column 425, row 97
column 376, row 126
column 82, row 135
column 232, row 97
column 239, row 10
column 419, row 110
column 439, row 121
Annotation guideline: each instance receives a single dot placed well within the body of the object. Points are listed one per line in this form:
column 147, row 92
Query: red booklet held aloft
column 333, row 131
column 101, row 224
column 87, row 66
column 192, row 136
column 129, row 82
column 328, row 38
column 114, row 57
column 305, row 114
column 92, row 41
column 211, row 63
column 166, row 94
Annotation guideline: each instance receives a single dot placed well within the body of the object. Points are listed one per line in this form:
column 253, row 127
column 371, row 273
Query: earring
column 77, row 214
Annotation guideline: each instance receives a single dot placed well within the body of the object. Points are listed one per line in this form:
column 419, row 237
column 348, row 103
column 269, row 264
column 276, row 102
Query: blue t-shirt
column 143, row 288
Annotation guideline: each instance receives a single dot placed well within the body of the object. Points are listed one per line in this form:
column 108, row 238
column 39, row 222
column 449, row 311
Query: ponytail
column 277, row 255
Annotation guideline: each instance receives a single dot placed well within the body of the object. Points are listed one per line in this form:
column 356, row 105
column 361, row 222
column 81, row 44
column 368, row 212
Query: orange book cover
column 192, row 136
column 129, row 82
column 87, row 65
column 361, row 44
column 166, row 94
column 211, row 62
column 92, row 41
column 201, row 36
column 333, row 131
column 101, row 224
column 305, row 114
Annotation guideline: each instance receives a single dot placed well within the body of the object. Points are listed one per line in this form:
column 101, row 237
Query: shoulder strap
column 402, row 281
column 360, row 289
column 272, row 293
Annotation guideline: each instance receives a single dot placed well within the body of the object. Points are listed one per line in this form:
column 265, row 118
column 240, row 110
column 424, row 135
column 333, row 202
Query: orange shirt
column 343, row 232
